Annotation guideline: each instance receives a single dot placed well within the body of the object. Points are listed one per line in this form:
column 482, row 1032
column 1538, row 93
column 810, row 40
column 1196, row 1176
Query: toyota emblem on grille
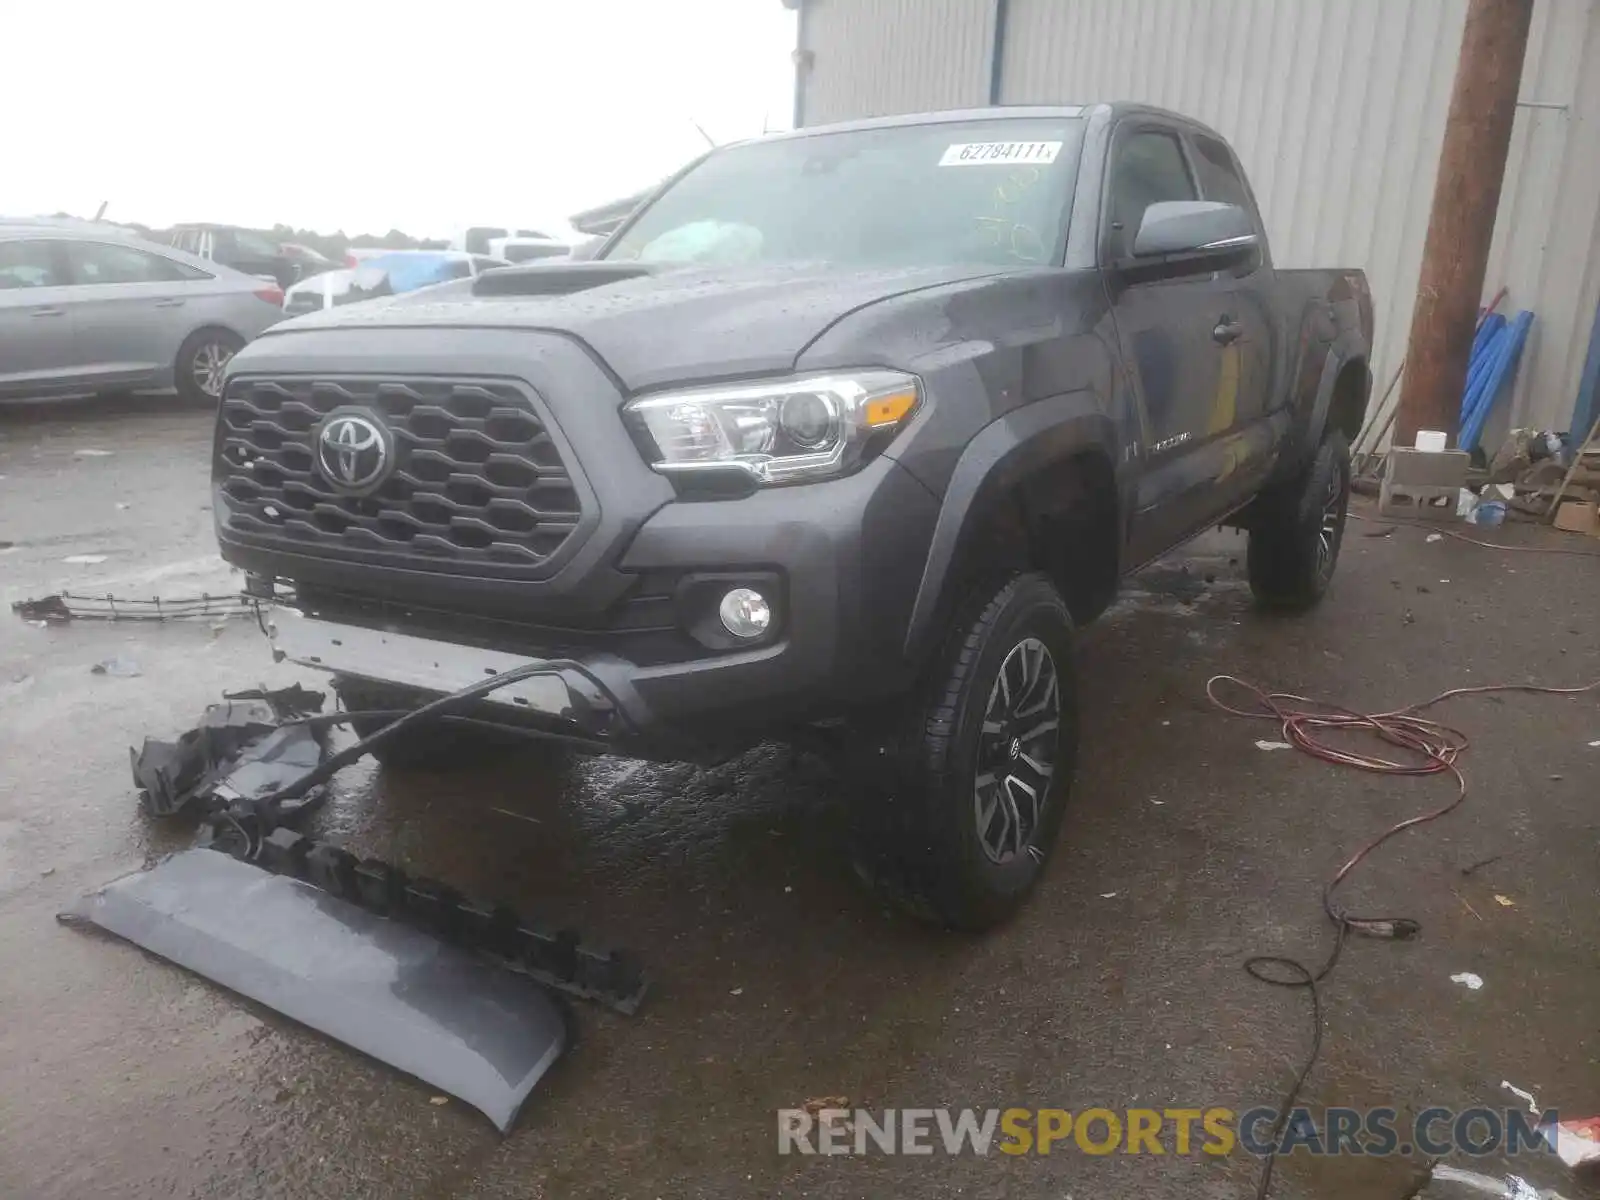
column 354, row 451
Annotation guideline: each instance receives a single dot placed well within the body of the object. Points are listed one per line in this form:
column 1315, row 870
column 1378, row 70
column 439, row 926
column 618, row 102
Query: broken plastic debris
column 1263, row 745
column 1576, row 1142
column 72, row 606
column 437, row 1101
column 84, row 560
column 118, row 667
column 1435, row 537
column 1511, row 1187
column 1595, row 745
column 1108, row 895
column 89, row 452
column 1468, row 980
column 240, row 750
column 736, row 992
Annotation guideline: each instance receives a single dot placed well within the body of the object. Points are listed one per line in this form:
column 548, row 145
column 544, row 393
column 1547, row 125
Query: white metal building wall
column 1336, row 107
column 875, row 57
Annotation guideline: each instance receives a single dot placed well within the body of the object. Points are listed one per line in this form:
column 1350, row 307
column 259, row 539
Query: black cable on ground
column 480, row 724
column 1427, row 748
column 1433, row 527
column 421, row 715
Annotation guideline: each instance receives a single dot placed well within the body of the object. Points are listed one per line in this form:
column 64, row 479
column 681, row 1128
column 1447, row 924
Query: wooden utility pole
column 1466, row 197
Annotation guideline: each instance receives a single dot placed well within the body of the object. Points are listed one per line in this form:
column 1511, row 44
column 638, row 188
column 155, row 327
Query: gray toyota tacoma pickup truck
column 836, row 441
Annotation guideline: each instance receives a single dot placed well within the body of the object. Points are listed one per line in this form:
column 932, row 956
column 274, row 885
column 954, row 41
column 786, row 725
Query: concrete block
column 1423, row 483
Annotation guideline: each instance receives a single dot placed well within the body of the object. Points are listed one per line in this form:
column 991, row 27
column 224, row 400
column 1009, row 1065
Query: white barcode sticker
column 983, row 154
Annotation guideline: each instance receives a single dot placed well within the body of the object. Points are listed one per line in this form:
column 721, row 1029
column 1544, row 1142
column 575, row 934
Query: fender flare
column 1007, row 450
column 1338, row 356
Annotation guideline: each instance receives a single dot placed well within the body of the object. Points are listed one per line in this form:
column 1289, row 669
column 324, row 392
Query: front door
column 1171, row 334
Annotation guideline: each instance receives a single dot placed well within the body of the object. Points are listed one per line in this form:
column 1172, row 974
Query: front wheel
column 202, row 360
column 988, row 758
column 1295, row 538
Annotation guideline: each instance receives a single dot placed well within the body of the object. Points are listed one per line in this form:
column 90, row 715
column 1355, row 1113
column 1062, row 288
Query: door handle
column 169, row 303
column 48, row 312
column 1227, row 331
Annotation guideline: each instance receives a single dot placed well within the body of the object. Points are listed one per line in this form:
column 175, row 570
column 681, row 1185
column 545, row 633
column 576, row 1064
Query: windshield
column 993, row 192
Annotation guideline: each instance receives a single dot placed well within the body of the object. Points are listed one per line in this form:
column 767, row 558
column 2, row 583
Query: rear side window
column 253, row 244
column 30, row 263
column 1219, row 175
column 102, row 263
column 1149, row 169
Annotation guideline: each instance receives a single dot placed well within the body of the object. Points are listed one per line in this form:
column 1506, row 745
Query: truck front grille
column 477, row 485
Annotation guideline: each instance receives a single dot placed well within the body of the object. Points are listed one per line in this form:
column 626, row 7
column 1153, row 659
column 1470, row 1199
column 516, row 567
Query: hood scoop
column 555, row 278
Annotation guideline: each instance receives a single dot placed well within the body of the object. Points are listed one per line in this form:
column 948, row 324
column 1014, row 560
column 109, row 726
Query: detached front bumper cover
column 434, row 1011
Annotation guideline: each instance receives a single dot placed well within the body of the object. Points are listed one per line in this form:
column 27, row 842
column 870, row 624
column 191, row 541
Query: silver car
column 88, row 312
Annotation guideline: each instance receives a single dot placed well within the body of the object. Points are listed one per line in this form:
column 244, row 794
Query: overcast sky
column 422, row 115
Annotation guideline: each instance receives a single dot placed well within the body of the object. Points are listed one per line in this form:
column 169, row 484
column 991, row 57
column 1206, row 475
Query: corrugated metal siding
column 1336, row 107
column 876, row 57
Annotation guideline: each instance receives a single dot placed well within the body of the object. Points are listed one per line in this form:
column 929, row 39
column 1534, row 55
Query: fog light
column 745, row 613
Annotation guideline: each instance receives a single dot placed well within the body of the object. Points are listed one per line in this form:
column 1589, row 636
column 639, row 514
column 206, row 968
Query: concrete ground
column 779, row 979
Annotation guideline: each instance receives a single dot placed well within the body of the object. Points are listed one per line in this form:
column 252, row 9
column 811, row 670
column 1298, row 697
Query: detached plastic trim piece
column 473, row 1030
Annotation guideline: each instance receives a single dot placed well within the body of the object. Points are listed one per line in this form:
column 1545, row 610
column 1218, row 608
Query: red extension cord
column 1425, row 747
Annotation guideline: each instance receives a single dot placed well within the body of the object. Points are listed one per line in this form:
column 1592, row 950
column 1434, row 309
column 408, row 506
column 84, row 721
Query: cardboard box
column 1579, row 516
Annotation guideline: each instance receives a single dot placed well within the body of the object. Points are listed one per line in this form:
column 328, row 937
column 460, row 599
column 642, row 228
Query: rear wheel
column 202, row 359
column 989, row 756
column 1299, row 527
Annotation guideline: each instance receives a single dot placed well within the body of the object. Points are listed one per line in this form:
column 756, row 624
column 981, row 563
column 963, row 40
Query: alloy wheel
column 1017, row 752
column 1328, row 536
column 210, row 361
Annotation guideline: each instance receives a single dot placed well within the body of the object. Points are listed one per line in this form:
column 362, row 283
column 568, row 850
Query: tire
column 946, row 845
column 1295, row 540
column 200, row 362
column 436, row 748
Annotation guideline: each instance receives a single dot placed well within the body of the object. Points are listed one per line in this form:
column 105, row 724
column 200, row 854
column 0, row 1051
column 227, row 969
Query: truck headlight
column 777, row 431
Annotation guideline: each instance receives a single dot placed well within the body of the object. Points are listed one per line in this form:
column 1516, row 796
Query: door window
column 1219, row 176
column 1150, row 169
column 30, row 263
column 103, row 262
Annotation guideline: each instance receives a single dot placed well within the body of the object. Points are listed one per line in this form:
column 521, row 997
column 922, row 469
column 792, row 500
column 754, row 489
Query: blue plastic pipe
column 1502, row 356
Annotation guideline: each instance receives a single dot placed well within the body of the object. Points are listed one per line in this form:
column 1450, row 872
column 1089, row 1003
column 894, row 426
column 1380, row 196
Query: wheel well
column 1062, row 520
column 1348, row 408
column 208, row 327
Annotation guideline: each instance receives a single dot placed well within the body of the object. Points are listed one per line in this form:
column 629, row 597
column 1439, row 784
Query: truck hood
column 656, row 327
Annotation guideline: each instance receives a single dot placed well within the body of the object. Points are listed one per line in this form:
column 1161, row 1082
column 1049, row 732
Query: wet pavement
column 778, row 978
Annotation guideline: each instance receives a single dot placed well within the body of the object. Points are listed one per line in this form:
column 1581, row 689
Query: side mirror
column 1194, row 235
